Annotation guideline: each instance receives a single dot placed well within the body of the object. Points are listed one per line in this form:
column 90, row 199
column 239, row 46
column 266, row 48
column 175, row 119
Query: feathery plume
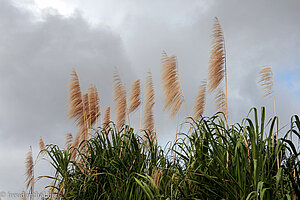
column 106, row 119
column 83, row 130
column 173, row 94
column 220, row 100
column 217, row 58
column 29, row 171
column 149, row 103
column 69, row 140
column 199, row 105
column 121, row 111
column 266, row 80
column 91, row 112
column 217, row 69
column 41, row 144
column 75, row 100
column 135, row 96
column 120, row 99
column 94, row 108
column 79, row 110
column 171, row 89
column 106, row 116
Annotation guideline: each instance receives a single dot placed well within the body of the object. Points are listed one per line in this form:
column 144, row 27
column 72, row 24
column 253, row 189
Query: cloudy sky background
column 41, row 42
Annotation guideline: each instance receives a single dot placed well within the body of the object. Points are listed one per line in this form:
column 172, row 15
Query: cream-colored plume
column 120, row 99
column 266, row 80
column 107, row 116
column 41, row 144
column 135, row 96
column 216, row 68
column 149, row 103
column 29, row 174
column 220, row 100
column 94, row 107
column 75, row 100
column 199, row 105
column 171, row 89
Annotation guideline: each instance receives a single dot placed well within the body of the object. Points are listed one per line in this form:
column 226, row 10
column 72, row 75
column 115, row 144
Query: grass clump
column 200, row 171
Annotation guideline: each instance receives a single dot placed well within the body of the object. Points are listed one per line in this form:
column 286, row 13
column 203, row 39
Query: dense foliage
column 122, row 165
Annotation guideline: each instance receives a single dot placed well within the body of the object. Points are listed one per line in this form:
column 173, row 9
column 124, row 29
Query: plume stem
column 226, row 84
column 274, row 104
column 267, row 82
column 141, row 115
column 128, row 117
column 187, row 112
column 85, row 123
column 226, row 95
column 176, row 138
column 98, row 120
column 276, row 124
column 154, row 117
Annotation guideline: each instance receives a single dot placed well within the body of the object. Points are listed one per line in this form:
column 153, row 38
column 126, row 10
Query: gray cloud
column 257, row 33
column 36, row 58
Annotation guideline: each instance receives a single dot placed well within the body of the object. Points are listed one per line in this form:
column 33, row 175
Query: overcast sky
column 41, row 41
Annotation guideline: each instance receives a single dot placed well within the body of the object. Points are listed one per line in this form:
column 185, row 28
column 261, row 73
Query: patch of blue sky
column 291, row 78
